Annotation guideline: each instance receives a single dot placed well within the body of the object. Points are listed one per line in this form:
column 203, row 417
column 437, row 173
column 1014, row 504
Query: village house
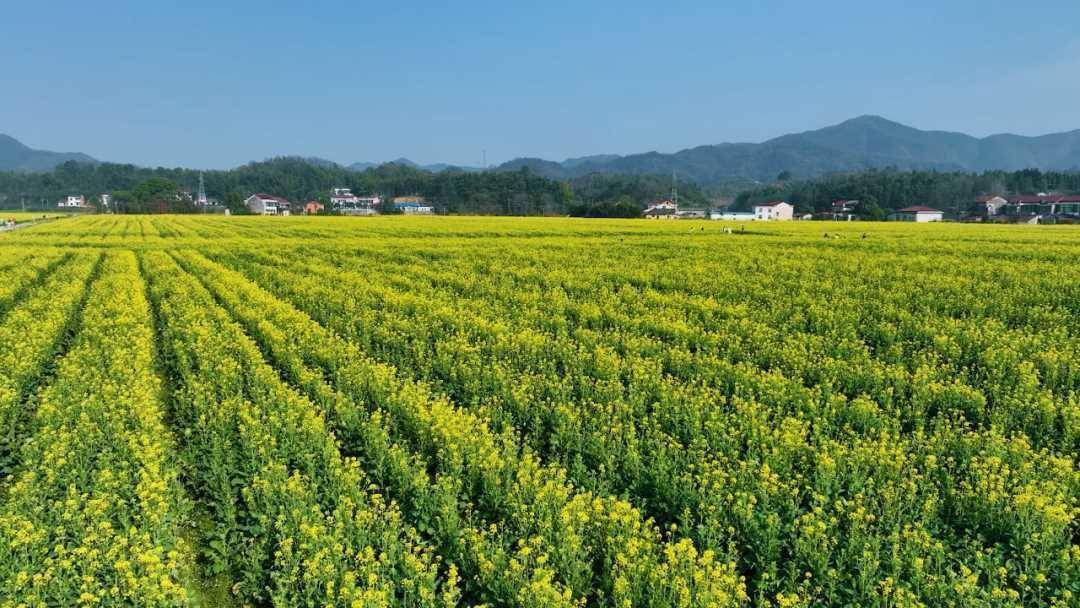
column 266, row 204
column 774, row 211
column 1028, row 205
column 77, row 201
column 661, row 210
column 343, row 201
column 844, row 210
column 917, row 213
column 313, row 208
column 990, row 205
column 413, row 205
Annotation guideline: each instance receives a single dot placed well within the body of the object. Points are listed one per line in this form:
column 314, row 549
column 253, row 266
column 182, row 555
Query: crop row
column 32, row 333
column 91, row 516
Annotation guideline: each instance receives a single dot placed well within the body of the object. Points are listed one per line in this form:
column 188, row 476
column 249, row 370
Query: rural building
column 343, row 201
column 662, row 210
column 313, row 208
column 989, row 205
column 340, row 196
column 918, row 213
column 1029, row 205
column 77, row 201
column 774, row 211
column 266, row 204
column 844, row 210
column 413, row 205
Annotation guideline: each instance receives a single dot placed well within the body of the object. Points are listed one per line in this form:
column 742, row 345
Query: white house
column 77, row 201
column 774, row 211
column 990, row 205
column 267, row 204
column 918, row 213
column 343, row 201
column 662, row 210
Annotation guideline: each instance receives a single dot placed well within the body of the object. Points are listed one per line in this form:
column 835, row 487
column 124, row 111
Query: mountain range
column 434, row 168
column 860, row 143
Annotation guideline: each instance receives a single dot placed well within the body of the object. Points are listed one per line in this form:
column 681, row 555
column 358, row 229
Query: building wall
column 779, row 212
column 921, row 218
column 257, row 206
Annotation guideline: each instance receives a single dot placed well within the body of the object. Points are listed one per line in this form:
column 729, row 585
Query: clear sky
column 216, row 84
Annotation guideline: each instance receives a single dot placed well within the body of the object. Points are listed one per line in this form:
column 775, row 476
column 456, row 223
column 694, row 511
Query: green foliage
column 520, row 192
column 889, row 189
column 622, row 207
column 638, row 189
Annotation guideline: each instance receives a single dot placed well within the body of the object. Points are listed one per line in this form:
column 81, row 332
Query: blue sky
column 216, row 84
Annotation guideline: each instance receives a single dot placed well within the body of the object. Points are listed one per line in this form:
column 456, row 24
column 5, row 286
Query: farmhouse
column 77, row 201
column 266, row 204
column 844, row 209
column 343, row 201
column 413, row 205
column 1042, row 204
column 774, row 211
column 313, row 208
column 989, row 205
column 662, row 210
column 917, row 213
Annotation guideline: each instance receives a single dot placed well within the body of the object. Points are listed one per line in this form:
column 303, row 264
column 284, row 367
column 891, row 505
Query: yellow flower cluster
column 90, row 517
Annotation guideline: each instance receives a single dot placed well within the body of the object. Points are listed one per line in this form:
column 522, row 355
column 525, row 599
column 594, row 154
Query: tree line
column 884, row 190
column 519, row 192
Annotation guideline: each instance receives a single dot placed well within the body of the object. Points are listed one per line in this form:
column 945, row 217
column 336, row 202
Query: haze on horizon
column 212, row 86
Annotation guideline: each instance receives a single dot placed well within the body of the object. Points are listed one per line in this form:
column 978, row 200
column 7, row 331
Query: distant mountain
column 16, row 156
column 596, row 158
column 433, row 168
column 860, row 143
